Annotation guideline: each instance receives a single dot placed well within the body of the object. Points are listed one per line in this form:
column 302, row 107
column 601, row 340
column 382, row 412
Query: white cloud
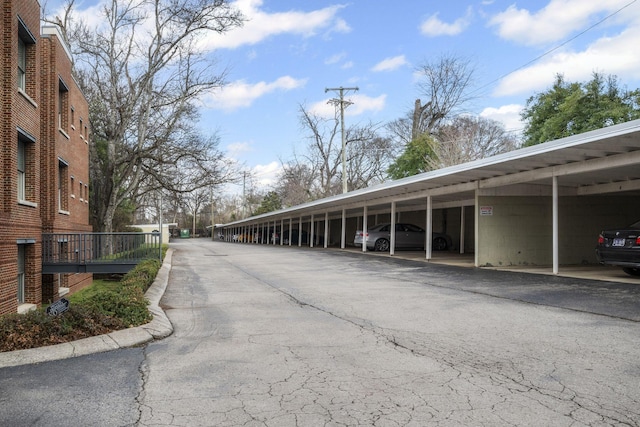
column 242, row 94
column 266, row 175
column 390, row 64
column 361, row 104
column 433, row 26
column 554, row 22
column 509, row 115
column 608, row 55
column 334, row 59
column 235, row 149
column 337, row 58
column 261, row 25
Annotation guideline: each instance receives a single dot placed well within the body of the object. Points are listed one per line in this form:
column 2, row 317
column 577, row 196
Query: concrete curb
column 159, row 327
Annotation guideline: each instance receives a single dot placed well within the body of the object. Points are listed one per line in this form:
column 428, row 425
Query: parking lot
column 279, row 336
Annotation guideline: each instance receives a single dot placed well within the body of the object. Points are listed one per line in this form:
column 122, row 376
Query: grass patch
column 103, row 307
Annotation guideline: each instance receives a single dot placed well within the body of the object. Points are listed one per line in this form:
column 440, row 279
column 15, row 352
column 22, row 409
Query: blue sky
column 289, row 51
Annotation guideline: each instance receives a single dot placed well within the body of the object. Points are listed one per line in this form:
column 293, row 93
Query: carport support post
column 364, row 228
column 290, row 228
column 554, row 195
column 343, row 232
column 300, row 233
column 311, row 233
column 275, row 232
column 476, row 233
column 429, row 234
column 326, row 229
column 281, row 230
column 392, row 248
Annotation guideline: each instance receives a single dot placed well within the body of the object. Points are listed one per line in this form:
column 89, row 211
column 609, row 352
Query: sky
column 290, row 51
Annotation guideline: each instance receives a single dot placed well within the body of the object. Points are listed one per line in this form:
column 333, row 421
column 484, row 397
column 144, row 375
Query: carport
column 536, row 206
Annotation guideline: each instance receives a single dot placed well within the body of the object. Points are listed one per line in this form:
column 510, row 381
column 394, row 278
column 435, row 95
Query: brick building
column 45, row 156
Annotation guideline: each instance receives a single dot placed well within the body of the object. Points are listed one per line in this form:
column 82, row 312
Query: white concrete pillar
column 429, row 232
column 555, row 224
column 343, row 232
column 311, row 231
column 392, row 248
column 326, row 230
column 364, row 228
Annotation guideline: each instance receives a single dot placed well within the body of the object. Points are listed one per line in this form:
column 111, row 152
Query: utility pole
column 340, row 101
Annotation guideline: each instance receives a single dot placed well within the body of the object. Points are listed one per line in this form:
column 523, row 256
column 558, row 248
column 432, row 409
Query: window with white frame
column 26, row 67
column 25, row 166
column 22, row 65
column 22, row 170
column 63, row 193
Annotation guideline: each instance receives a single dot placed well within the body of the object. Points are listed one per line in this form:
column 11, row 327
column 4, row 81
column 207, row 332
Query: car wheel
column 631, row 271
column 440, row 244
column 382, row 245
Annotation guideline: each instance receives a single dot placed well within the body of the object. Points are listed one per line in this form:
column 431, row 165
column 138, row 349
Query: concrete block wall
column 519, row 231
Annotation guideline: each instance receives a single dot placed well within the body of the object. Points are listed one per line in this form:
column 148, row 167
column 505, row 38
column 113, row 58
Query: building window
column 26, row 158
column 26, row 58
column 63, row 192
column 22, row 65
column 22, row 170
column 21, row 274
column 63, row 106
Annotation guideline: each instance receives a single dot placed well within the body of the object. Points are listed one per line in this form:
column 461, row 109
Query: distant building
column 45, row 157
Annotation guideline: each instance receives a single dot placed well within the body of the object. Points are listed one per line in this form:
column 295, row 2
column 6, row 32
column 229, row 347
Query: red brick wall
column 35, row 111
column 19, row 221
column 68, row 144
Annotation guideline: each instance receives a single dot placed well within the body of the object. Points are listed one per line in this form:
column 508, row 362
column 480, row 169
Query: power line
column 557, row 47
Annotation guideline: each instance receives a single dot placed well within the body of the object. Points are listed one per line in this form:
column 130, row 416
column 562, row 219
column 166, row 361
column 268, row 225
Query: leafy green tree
column 572, row 108
column 419, row 156
column 270, row 202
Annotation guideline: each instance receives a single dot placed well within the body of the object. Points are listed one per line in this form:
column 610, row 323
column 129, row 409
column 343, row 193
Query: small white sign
column 486, row 210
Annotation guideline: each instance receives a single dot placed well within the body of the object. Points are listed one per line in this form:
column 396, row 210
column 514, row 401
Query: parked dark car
column 621, row 247
column 378, row 238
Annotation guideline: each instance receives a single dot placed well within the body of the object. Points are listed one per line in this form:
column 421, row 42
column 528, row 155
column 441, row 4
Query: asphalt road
column 271, row 336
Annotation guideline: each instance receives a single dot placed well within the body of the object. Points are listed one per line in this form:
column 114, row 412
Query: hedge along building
column 541, row 205
column 45, row 155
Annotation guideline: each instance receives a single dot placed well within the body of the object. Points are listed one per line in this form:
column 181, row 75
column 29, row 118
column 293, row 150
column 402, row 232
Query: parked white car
column 408, row 236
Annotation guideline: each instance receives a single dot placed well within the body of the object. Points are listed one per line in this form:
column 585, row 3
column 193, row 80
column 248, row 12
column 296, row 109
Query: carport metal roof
column 597, row 162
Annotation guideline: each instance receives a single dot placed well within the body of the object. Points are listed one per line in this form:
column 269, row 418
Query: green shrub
column 143, row 275
column 36, row 328
column 103, row 307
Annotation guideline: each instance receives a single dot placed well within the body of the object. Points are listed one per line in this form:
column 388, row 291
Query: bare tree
column 295, row 183
column 324, row 151
column 368, row 157
column 317, row 172
column 142, row 73
column 445, row 84
column 468, row 138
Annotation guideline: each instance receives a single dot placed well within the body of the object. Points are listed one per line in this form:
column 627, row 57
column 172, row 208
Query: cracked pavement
column 270, row 336
column 275, row 337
